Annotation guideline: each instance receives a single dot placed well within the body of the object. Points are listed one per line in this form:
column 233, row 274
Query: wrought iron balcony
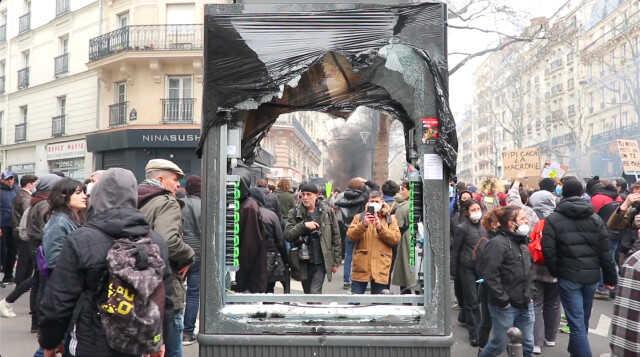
column 24, row 23
column 62, row 7
column 23, row 78
column 3, row 33
column 58, row 125
column 61, row 64
column 146, row 38
column 1, row 84
column 118, row 114
column 177, row 110
column 21, row 133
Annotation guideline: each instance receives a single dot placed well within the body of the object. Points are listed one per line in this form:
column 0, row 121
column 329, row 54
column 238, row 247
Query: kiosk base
column 324, row 346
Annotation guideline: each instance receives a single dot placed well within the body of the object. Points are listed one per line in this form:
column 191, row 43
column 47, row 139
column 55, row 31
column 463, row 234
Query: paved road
column 16, row 341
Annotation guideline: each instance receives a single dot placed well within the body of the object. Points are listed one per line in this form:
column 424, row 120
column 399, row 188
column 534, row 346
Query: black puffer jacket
column 575, row 244
column 465, row 238
column 351, row 203
column 506, row 268
column 69, row 297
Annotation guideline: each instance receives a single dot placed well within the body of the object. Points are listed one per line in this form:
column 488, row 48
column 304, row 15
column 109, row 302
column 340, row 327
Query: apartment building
column 47, row 94
column 297, row 157
column 148, row 57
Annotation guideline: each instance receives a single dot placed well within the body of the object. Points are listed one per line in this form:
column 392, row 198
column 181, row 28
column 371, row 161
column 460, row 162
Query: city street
column 16, row 341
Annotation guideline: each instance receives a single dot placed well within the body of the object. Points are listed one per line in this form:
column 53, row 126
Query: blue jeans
column 193, row 298
column 348, row 252
column 358, row 287
column 501, row 320
column 577, row 300
column 173, row 326
column 614, row 244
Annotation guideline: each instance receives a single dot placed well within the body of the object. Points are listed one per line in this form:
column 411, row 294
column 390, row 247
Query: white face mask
column 376, row 206
column 523, row 230
column 475, row 216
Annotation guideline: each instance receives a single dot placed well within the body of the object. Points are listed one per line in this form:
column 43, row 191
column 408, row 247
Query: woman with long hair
column 67, row 203
column 505, row 267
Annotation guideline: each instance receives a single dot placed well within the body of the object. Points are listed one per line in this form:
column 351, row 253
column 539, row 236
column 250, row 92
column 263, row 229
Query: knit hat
column 309, row 187
column 572, row 188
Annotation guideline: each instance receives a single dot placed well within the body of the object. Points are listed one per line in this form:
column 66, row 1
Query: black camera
column 371, row 210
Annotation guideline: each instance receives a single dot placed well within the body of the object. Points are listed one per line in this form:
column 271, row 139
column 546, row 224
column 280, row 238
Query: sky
column 461, row 82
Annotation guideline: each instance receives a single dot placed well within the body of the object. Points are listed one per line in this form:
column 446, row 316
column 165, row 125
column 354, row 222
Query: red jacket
column 600, row 200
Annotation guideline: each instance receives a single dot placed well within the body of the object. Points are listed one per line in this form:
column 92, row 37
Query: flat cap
column 309, row 187
column 162, row 164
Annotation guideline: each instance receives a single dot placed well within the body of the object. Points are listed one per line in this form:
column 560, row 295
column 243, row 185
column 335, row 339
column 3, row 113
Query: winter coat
column 7, row 195
column 162, row 211
column 271, row 201
column 20, row 204
column 81, row 269
column 543, row 203
column 602, row 198
column 351, row 203
column 621, row 220
column 506, row 268
column 252, row 275
column 465, row 239
column 286, row 202
column 56, row 231
column 329, row 232
column 403, row 274
column 575, row 244
column 191, row 223
column 373, row 249
column 273, row 234
column 38, row 217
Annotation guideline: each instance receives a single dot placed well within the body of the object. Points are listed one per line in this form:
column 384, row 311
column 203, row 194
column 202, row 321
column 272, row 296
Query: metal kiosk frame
column 286, row 325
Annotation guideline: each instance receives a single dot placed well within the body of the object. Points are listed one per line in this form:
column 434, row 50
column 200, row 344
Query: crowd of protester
column 518, row 255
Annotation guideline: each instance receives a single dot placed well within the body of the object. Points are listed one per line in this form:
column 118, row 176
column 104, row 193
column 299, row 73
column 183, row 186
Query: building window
column 1, row 127
column 625, row 119
column 58, row 122
column 178, row 104
column 62, row 7
column 24, row 21
column 3, row 26
column 2, row 77
column 23, row 74
column 118, row 110
column 21, row 128
column 61, row 62
column 123, row 19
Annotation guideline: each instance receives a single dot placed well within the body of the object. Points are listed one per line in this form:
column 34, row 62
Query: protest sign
column 521, row 163
column 629, row 155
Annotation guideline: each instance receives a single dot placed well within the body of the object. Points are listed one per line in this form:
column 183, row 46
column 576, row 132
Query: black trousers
column 26, row 261
column 485, row 325
column 471, row 304
column 8, row 250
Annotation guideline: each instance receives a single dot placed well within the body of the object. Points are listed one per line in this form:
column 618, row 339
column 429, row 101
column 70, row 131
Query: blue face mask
column 559, row 190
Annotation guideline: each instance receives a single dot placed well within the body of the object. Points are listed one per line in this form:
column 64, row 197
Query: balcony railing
column 23, row 78
column 62, row 7
column 146, row 38
column 24, row 23
column 1, row 84
column 179, row 110
column 118, row 114
column 21, row 133
column 57, row 125
column 61, row 64
column 3, row 33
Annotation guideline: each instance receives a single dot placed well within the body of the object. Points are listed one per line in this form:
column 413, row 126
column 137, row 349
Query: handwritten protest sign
column 521, row 163
column 630, row 156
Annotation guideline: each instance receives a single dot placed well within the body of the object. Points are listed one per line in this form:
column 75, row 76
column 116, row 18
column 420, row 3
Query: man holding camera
column 375, row 232
column 312, row 227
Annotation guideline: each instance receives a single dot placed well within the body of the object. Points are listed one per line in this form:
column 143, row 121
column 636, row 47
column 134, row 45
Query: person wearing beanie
column 312, row 227
column 576, row 250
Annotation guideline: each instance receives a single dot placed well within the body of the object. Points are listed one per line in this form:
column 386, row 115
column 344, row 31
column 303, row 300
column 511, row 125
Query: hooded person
column 69, row 296
column 543, row 202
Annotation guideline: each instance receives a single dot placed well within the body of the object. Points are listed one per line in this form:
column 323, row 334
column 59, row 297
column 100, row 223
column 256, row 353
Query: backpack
column 535, row 243
column 605, row 213
column 132, row 304
column 22, row 226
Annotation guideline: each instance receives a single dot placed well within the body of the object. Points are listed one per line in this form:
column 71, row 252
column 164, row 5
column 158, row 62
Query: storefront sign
column 630, row 156
column 521, row 163
column 66, row 150
column 170, row 138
